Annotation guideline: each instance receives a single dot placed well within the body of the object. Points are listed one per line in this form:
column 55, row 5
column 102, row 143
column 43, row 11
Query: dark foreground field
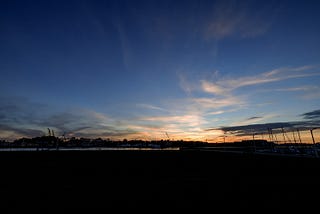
column 110, row 181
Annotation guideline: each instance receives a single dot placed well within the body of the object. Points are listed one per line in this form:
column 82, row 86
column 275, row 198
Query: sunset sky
column 191, row 70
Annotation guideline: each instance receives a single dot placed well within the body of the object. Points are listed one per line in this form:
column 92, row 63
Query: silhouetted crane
column 299, row 135
column 315, row 149
column 294, row 136
column 284, row 138
column 311, row 131
column 167, row 136
column 64, row 136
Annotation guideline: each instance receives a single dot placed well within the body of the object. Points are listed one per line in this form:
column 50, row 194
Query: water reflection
column 89, row 149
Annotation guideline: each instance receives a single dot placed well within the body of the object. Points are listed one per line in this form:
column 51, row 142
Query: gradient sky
column 141, row 69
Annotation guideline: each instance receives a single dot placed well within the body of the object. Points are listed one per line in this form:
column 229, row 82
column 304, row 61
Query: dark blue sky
column 138, row 69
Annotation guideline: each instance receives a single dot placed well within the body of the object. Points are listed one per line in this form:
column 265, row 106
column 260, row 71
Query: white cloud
column 217, row 103
column 288, row 69
column 152, row 107
column 185, row 120
column 301, row 88
column 213, row 88
column 215, row 112
column 224, row 86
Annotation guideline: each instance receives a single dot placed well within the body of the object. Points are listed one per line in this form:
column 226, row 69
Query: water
column 89, row 149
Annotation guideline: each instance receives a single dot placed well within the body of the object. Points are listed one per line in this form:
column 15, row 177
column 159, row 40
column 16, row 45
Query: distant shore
column 51, row 143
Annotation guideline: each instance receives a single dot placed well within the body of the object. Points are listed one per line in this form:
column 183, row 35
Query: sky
column 151, row 70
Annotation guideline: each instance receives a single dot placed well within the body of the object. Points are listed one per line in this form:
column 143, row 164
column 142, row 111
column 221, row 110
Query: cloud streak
column 311, row 120
column 312, row 115
column 301, row 88
column 217, row 103
column 262, row 128
column 225, row 86
column 151, row 107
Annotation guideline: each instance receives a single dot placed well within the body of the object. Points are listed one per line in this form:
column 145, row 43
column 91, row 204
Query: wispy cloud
column 13, row 132
column 151, row 107
column 186, row 120
column 224, row 86
column 288, row 69
column 254, row 120
column 17, row 121
column 220, row 94
column 248, row 130
column 312, row 115
column 293, row 89
column 215, row 112
column 217, row 103
column 213, row 88
column 236, row 18
column 305, row 92
column 312, row 95
column 126, row 49
column 310, row 120
column 20, row 117
column 186, row 85
column 244, row 130
column 271, row 76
